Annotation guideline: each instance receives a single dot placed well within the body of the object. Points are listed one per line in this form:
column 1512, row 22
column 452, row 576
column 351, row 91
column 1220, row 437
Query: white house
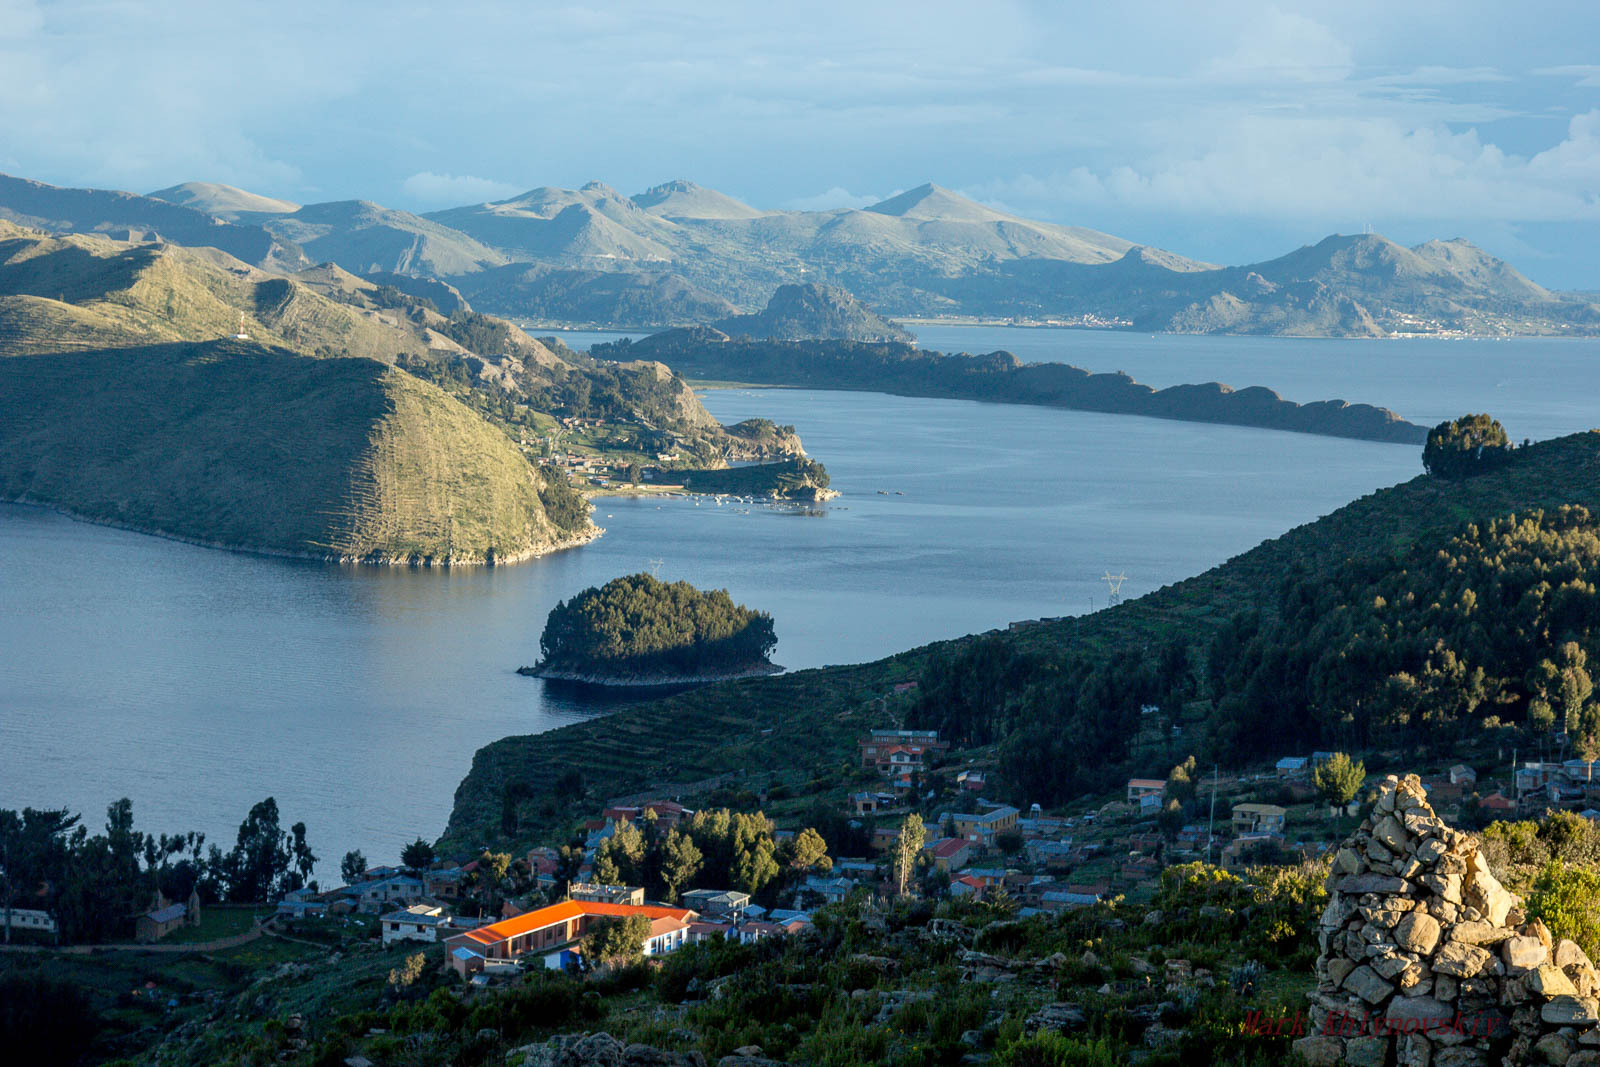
column 420, row 922
column 41, row 922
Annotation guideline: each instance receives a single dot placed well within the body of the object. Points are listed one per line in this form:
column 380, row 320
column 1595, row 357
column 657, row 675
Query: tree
column 615, row 942
column 808, row 852
column 907, row 849
column 352, row 867
column 680, row 862
column 417, row 856
column 620, row 858
column 409, row 971
column 634, row 474
column 305, row 861
column 260, row 855
column 1462, row 447
column 33, row 852
column 1338, row 779
column 494, row 865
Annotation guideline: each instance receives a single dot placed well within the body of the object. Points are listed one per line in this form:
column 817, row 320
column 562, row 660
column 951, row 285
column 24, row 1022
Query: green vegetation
column 1459, row 448
column 1149, row 651
column 714, row 849
column 235, row 444
column 638, row 627
column 905, row 370
column 797, row 478
column 1338, row 779
column 96, row 884
column 615, row 942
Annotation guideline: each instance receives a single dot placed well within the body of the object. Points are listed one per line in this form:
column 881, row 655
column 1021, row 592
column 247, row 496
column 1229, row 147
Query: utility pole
column 1211, row 820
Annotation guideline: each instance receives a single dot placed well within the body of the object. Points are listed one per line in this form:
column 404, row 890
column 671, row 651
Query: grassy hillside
column 238, row 444
column 813, row 715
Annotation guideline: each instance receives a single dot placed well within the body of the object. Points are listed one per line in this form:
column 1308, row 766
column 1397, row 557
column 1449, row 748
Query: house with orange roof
column 546, row 930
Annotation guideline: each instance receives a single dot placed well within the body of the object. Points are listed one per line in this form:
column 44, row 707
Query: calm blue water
column 197, row 681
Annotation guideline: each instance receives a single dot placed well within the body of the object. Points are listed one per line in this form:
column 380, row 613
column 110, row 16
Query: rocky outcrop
column 599, row 1050
column 1428, row 961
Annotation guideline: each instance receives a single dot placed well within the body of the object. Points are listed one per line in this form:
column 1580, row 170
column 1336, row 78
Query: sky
column 1230, row 131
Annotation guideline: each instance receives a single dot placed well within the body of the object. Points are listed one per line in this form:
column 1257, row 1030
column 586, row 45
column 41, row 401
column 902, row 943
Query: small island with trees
column 640, row 631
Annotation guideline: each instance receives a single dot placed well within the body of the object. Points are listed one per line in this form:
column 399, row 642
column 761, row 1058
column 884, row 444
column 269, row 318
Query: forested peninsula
column 640, row 631
column 905, row 370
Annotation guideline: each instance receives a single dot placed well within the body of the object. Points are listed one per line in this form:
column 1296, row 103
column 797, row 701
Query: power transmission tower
column 655, row 568
column 1114, row 584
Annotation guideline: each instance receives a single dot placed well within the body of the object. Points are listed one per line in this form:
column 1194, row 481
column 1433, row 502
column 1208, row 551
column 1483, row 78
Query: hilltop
column 224, row 201
column 769, row 723
column 638, row 630
column 242, row 445
column 823, row 312
column 132, row 217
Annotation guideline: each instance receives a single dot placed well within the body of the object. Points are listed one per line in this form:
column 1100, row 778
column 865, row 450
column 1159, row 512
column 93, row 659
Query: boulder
column 1318, row 1051
column 1372, row 883
column 1571, row 1011
column 1556, row 1048
column 1462, row 960
column 1365, row 983
column 1418, row 932
column 1550, row 981
column 1524, row 952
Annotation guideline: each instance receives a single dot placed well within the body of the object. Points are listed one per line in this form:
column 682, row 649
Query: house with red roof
column 546, row 930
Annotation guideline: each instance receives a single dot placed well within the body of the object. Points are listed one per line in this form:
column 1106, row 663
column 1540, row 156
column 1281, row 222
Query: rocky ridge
column 1426, row 960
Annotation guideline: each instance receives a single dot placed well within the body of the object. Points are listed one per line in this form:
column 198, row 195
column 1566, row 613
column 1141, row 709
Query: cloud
column 1587, row 75
column 448, row 190
column 832, row 200
column 1281, row 45
column 1343, row 170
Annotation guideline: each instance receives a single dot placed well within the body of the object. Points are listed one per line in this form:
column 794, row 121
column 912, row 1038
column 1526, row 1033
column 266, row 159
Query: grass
column 217, row 923
column 814, row 715
column 238, row 444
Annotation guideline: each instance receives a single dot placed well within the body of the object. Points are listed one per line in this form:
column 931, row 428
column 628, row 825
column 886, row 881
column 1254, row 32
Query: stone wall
column 1427, row 961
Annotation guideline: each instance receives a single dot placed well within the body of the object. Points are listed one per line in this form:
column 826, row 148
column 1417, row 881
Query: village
column 490, row 918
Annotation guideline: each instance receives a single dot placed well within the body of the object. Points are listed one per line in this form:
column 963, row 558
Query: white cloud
column 1281, row 45
column 1336, row 169
column 448, row 190
column 832, row 200
column 1587, row 75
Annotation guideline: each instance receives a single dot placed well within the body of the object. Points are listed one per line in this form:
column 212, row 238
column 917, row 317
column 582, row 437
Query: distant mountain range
column 681, row 254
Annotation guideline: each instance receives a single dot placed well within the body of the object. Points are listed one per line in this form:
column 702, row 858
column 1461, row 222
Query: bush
column 1567, row 899
column 1049, row 1048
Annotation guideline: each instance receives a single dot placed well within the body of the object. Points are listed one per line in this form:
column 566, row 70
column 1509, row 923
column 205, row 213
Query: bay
column 197, row 682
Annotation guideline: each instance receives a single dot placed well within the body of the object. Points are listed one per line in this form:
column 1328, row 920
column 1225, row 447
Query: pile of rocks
column 1428, row 961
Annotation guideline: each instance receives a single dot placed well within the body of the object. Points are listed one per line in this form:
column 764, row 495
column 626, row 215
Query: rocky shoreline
column 652, row 681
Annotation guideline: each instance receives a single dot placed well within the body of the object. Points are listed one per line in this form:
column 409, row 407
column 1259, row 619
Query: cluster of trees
column 95, row 884
column 719, row 849
column 1459, row 448
column 1063, row 722
column 1494, row 627
column 640, row 626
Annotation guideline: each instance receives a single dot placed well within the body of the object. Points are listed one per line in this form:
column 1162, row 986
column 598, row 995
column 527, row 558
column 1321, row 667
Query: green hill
column 807, row 720
column 242, row 445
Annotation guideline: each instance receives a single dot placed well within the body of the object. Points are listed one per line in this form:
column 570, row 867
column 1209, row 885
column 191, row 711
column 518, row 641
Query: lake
column 197, row 681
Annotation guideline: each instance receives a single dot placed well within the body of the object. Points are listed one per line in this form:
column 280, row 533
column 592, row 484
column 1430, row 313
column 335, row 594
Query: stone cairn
column 1427, row 961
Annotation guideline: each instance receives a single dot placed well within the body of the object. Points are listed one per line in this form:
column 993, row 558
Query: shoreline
column 593, row 534
column 764, row 670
